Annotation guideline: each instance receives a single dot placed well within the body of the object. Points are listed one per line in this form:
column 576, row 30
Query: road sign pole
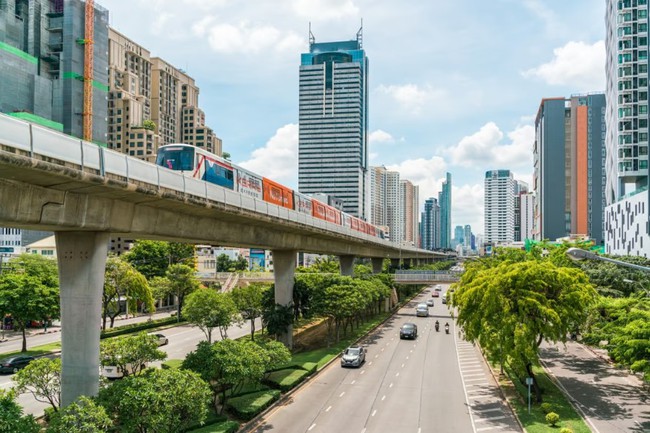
column 529, row 382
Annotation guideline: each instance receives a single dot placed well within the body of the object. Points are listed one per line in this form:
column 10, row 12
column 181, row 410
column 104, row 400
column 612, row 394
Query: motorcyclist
column 447, row 328
column 437, row 325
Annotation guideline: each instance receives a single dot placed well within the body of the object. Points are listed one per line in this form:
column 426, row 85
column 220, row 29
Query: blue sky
column 454, row 86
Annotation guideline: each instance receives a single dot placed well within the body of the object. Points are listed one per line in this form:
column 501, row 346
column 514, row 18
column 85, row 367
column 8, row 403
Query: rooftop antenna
column 312, row 39
column 360, row 35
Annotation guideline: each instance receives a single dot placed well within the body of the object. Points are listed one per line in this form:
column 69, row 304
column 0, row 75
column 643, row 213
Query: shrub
column 546, row 407
column 222, row 427
column 171, row 363
column 286, row 379
column 566, row 430
column 552, row 418
column 311, row 367
column 247, row 406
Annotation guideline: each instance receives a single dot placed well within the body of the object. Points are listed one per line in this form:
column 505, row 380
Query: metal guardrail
column 425, row 276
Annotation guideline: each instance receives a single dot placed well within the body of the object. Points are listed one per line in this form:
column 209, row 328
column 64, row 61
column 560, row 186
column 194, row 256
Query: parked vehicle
column 14, row 363
column 408, row 331
column 353, row 356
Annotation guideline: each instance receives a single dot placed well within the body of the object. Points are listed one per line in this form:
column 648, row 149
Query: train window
column 176, row 158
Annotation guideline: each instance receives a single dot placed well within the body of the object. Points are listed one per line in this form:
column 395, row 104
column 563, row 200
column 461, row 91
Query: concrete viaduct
column 86, row 194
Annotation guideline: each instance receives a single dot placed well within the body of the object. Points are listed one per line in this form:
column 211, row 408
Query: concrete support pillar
column 377, row 265
column 347, row 265
column 394, row 263
column 406, row 263
column 82, row 261
column 284, row 267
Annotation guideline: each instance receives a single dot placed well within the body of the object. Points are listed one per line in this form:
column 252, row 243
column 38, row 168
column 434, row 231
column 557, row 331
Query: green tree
column 181, row 253
column 82, row 416
column 182, row 282
column 225, row 155
column 12, row 419
column 149, row 125
column 248, row 300
column 160, row 401
column 511, row 307
column 123, row 281
column 227, row 365
column 42, row 378
column 152, row 258
column 241, row 264
column 133, row 351
column 27, row 298
column 277, row 318
column 277, row 354
column 224, row 264
column 209, row 309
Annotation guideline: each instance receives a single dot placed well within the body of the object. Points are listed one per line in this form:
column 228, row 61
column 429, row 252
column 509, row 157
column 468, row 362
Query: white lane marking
column 353, row 382
column 475, row 379
column 391, row 385
column 402, row 365
column 411, row 351
column 383, row 397
column 478, row 397
column 472, row 370
column 397, row 374
column 328, row 408
column 374, row 412
column 341, row 394
column 363, row 371
column 407, row 358
column 382, row 349
column 364, row 430
column 370, row 363
column 474, row 374
column 462, row 379
column 376, row 356
column 419, row 429
column 312, row 426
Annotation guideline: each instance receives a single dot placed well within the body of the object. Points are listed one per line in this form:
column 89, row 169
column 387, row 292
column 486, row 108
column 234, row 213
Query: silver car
column 353, row 356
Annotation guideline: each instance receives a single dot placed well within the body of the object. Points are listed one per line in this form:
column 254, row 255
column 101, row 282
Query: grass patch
column 247, row 388
column 171, row 363
column 247, row 406
column 222, row 427
column 535, row 422
column 284, row 380
column 41, row 350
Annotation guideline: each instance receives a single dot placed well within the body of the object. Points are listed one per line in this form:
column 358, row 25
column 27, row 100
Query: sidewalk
column 611, row 400
column 56, row 326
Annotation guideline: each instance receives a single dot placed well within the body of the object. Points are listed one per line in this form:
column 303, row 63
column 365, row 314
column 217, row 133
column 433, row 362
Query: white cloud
column 411, row 97
column 278, row 159
column 244, row 37
column 380, row 136
column 484, row 150
column 576, row 64
column 325, row 9
column 467, row 206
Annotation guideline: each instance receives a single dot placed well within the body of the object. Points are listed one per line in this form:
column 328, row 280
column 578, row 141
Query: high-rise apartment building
column 526, row 215
column 569, row 161
column 410, row 212
column 444, row 199
column 430, row 226
column 145, row 88
column 42, row 64
column 333, row 123
column 627, row 215
column 468, row 237
column 499, row 206
column 520, row 188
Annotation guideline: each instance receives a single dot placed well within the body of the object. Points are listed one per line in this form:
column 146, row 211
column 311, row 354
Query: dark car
column 15, row 363
column 353, row 356
column 408, row 330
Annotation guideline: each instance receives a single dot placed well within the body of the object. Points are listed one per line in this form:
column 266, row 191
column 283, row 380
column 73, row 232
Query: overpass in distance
column 86, row 194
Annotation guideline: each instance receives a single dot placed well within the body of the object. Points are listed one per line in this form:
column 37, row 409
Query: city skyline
column 442, row 96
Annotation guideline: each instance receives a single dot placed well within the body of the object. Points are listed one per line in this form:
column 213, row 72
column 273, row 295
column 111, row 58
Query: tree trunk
column 24, row 349
column 112, row 321
column 252, row 329
column 536, row 387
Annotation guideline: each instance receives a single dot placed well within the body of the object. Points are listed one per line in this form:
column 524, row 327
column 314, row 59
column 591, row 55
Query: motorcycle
column 437, row 327
column 446, row 328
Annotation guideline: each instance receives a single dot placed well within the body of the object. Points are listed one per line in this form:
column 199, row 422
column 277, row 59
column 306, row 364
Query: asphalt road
column 436, row 383
column 182, row 340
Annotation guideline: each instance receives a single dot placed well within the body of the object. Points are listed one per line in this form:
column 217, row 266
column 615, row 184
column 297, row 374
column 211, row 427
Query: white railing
column 419, row 276
column 40, row 142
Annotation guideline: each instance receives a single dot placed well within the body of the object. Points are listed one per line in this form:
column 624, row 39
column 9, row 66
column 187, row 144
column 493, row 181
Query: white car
column 114, row 372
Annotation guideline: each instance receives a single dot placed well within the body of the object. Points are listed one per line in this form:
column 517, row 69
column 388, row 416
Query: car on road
column 408, row 331
column 422, row 310
column 14, row 363
column 353, row 356
column 435, row 294
column 444, row 299
column 162, row 340
column 430, row 303
column 438, row 288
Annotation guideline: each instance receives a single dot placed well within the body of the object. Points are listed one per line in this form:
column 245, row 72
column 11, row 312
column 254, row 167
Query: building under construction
column 44, row 77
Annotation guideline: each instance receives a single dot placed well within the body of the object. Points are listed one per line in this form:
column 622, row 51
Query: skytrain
column 200, row 164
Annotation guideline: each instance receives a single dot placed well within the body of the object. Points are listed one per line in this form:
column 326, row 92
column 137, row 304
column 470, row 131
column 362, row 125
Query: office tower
column 499, row 206
column 526, row 215
column 333, row 123
column 430, row 227
column 444, row 199
column 520, row 188
column 626, row 193
column 459, row 235
column 410, row 212
column 378, row 196
column 468, row 236
column 569, row 159
column 42, row 64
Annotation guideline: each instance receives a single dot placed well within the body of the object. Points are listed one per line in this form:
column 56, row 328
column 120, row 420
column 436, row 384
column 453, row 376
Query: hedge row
column 222, row 427
column 286, row 379
column 246, row 407
column 137, row 327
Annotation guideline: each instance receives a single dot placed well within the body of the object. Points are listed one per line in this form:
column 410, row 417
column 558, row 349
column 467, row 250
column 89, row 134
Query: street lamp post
column 580, row 254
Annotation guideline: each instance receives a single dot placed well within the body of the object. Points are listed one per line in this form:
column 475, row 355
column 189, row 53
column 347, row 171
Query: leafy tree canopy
column 81, row 416
column 132, row 350
column 12, row 419
column 209, row 309
column 42, row 378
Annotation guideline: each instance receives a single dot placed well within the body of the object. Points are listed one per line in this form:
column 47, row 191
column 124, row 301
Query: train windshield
column 176, row 158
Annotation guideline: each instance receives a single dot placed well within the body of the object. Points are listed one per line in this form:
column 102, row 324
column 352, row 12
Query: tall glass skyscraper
column 626, row 191
column 430, row 225
column 444, row 199
column 333, row 123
